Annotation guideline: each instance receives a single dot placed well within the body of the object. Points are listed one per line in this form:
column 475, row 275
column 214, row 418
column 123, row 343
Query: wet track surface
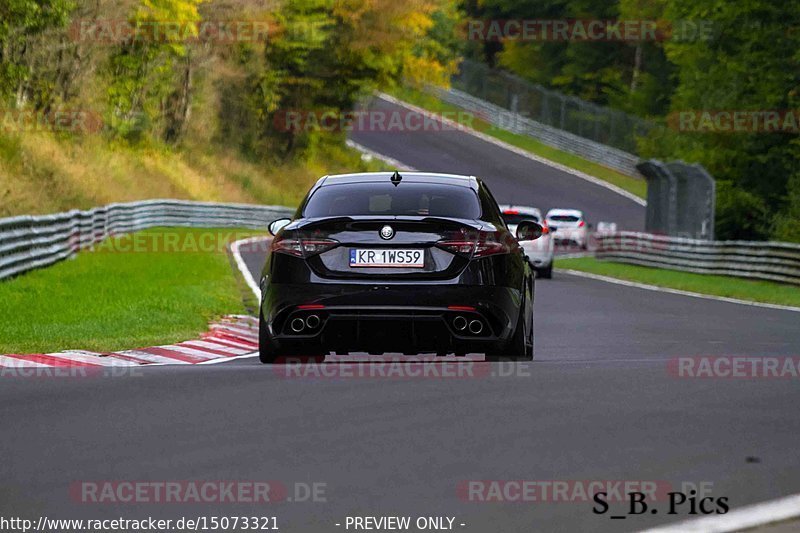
column 599, row 403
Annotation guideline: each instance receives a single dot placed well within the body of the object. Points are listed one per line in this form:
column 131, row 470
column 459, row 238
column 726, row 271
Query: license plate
column 387, row 258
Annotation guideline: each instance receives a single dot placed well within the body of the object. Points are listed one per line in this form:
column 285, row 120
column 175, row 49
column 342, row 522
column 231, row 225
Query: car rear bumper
column 570, row 236
column 394, row 318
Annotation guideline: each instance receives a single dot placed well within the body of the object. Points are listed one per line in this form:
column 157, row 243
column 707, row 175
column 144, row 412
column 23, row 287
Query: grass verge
column 434, row 104
column 129, row 292
column 727, row 286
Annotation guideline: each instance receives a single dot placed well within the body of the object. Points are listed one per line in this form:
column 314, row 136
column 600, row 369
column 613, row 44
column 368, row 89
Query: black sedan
column 411, row 263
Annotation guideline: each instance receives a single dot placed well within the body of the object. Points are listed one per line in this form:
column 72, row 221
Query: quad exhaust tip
column 312, row 322
column 475, row 327
column 460, row 323
column 298, row 325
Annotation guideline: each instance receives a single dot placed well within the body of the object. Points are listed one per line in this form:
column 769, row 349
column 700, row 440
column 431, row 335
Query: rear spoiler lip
column 309, row 223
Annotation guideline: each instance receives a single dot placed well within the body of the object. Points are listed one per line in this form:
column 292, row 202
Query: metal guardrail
column 548, row 107
column 773, row 261
column 505, row 119
column 29, row 242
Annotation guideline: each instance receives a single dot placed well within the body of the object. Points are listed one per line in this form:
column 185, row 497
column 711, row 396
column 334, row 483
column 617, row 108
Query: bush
column 740, row 214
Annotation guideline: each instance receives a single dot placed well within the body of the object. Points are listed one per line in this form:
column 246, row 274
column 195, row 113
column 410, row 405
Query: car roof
column 523, row 209
column 565, row 212
column 408, row 177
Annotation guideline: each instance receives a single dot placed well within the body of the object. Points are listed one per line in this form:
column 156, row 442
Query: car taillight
column 581, row 224
column 493, row 243
column 545, row 228
column 302, row 247
column 486, row 244
column 457, row 247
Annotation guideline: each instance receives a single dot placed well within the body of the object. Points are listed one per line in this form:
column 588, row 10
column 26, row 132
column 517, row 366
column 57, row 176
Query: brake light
column 545, row 228
column 492, row 244
column 457, row 247
column 581, row 224
column 302, row 247
column 487, row 243
column 511, row 212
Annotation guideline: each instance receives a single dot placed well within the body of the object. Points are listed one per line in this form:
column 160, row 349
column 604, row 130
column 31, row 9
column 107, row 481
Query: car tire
column 545, row 273
column 267, row 351
column 518, row 348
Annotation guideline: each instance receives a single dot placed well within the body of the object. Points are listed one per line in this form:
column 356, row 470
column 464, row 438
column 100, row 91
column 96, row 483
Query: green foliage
column 20, row 22
column 748, row 63
column 740, row 215
column 787, row 227
column 329, row 54
column 146, row 74
column 748, row 59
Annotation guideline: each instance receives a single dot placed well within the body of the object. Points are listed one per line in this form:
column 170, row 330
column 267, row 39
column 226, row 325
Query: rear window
column 384, row 199
column 516, row 218
column 564, row 218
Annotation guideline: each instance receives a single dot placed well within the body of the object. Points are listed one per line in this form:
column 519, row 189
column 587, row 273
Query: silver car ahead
column 540, row 252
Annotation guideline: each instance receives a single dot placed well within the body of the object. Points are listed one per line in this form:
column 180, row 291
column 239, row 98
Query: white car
column 568, row 226
column 606, row 228
column 540, row 252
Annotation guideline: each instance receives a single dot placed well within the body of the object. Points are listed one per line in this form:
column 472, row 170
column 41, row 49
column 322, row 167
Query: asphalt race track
column 513, row 179
column 599, row 403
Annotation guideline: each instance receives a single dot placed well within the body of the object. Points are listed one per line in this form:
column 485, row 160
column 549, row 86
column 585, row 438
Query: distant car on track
column 568, row 227
column 606, row 228
column 540, row 252
column 380, row 262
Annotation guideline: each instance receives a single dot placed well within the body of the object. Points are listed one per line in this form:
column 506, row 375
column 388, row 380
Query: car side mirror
column 528, row 230
column 276, row 225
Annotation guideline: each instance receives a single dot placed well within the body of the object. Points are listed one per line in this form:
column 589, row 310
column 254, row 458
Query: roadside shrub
column 740, row 214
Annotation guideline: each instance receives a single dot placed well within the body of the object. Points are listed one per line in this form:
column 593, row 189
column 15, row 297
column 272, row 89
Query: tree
column 749, row 62
column 20, row 22
column 327, row 55
column 151, row 72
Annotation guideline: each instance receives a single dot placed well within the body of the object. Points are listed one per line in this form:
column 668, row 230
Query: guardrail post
column 661, row 197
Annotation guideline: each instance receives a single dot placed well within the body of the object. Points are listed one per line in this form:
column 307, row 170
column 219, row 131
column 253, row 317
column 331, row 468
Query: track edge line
column 680, row 292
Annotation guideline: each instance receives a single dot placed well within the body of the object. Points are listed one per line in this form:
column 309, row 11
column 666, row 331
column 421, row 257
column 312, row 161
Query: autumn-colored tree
column 328, row 54
column 150, row 78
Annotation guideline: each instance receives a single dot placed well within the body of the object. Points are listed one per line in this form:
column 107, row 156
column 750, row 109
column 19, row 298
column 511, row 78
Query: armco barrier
column 28, row 242
column 774, row 261
column 569, row 142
